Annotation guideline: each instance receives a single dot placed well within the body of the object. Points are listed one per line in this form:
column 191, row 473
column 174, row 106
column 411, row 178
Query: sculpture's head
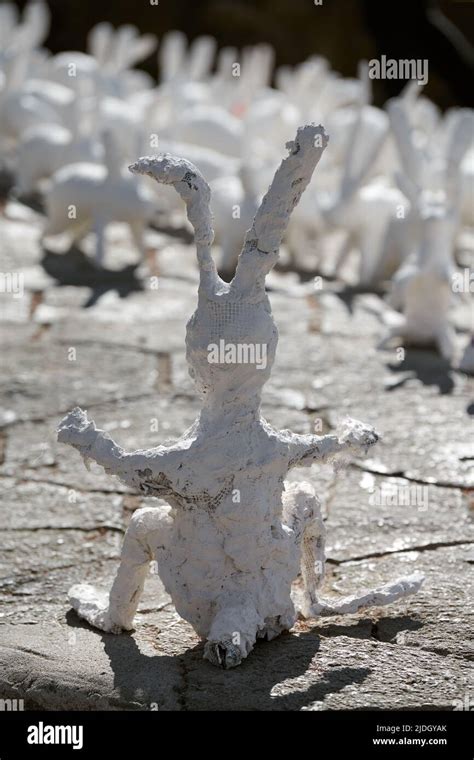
column 230, row 347
column 231, row 338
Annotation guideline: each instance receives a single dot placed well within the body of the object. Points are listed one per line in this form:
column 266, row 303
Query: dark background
column 342, row 30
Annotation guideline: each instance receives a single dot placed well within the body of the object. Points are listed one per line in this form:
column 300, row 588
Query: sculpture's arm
column 136, row 468
column 356, row 439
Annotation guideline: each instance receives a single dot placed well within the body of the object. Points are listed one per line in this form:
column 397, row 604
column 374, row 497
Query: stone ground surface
column 115, row 346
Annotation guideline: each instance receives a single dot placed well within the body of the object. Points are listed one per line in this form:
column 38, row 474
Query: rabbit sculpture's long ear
column 366, row 138
column 99, row 42
column 129, row 47
column 200, row 58
column 15, row 69
column 365, row 83
column 122, row 40
column 34, row 28
column 8, row 25
column 171, row 56
column 263, row 60
column 143, row 47
column 410, row 93
column 262, row 242
column 409, row 189
column 225, row 58
column 196, row 193
column 257, row 67
column 307, row 80
column 460, row 139
column 284, row 79
column 410, row 158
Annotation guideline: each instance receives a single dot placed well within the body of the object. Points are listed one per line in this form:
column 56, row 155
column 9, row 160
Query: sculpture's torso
column 227, row 536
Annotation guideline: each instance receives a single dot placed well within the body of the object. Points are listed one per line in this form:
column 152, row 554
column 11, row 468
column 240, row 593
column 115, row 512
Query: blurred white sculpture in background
column 220, row 110
column 422, row 289
column 83, row 197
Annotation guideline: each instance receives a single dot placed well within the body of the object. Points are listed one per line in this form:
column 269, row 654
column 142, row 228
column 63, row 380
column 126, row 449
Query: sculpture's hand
column 76, row 430
column 356, row 438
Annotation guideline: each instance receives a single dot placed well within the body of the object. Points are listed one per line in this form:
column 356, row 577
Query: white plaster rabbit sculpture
column 184, row 73
column 234, row 537
column 423, row 287
column 45, row 148
column 366, row 212
column 18, row 37
column 20, row 109
column 352, row 195
column 28, row 95
column 98, row 195
column 106, row 69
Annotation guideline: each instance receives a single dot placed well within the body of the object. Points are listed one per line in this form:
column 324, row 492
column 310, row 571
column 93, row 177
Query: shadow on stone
column 34, row 201
column 144, row 681
column 427, row 367
column 75, row 268
column 7, row 181
column 348, row 294
column 387, row 629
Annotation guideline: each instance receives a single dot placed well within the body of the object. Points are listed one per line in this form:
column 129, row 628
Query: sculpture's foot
column 92, row 605
column 378, row 597
column 224, row 654
column 275, row 626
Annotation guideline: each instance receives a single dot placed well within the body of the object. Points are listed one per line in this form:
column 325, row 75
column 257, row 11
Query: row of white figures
column 233, row 538
column 224, row 114
column 232, row 128
column 423, row 240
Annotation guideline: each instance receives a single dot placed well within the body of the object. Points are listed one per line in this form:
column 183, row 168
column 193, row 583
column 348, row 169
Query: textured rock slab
column 31, row 450
column 39, row 379
column 372, row 515
column 163, row 669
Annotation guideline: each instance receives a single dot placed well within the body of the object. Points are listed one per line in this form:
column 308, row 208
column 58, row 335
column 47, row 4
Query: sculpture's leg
column 445, row 342
column 99, row 229
column 313, row 555
column 393, row 331
column 79, row 232
column 372, row 250
column 76, row 231
column 233, row 632
column 136, row 231
column 344, row 250
column 302, row 513
column 115, row 613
